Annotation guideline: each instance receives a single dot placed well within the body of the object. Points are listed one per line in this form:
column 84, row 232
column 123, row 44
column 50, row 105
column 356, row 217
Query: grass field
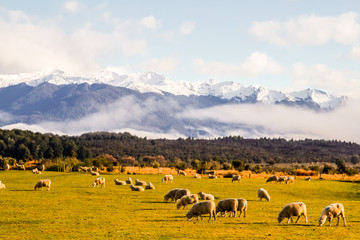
column 73, row 209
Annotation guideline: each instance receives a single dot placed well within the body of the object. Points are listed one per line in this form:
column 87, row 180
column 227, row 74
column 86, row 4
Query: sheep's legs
column 343, row 217
column 297, row 220
column 330, row 221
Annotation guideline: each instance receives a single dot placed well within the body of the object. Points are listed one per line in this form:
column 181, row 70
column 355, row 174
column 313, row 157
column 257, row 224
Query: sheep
column 43, row 183
column 2, row 186
column 42, row 167
column 198, row 176
column 290, row 179
column 171, row 195
column 99, row 181
column 129, row 181
column 296, row 209
column 94, row 173
column 307, row 178
column 273, row 178
column 140, row 183
column 150, row 186
column 242, row 206
column 212, row 176
column 181, row 172
column 187, row 199
column 205, row 196
column 180, row 193
column 332, row 211
column 236, row 178
column 227, row 205
column 20, row 166
column 7, row 167
column 136, row 188
column 281, row 179
column 206, row 207
column 35, row 171
column 167, row 178
column 118, row 182
column 262, row 193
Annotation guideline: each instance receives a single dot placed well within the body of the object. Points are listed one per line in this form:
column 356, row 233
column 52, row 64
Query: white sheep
column 332, row 211
column 136, row 188
column 118, row 182
column 307, row 178
column 198, row 176
column 43, row 183
column 99, row 182
column 150, row 186
column 273, row 178
column 227, row 205
column 181, row 172
column 35, row 171
column 129, row 181
column 186, row 200
column 296, row 209
column 94, row 173
column 200, row 208
column 140, row 183
column 290, row 179
column 236, row 178
column 282, row 179
column 171, row 195
column 242, row 206
column 167, row 178
column 180, row 193
column 2, row 186
column 212, row 176
column 206, row 196
column 262, row 193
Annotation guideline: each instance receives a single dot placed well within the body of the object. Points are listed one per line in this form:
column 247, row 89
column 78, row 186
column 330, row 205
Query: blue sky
column 283, row 45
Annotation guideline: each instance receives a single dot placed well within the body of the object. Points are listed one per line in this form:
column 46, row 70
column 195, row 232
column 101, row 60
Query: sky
column 281, row 44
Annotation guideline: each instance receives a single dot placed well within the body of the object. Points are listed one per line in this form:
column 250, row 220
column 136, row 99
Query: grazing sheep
column 282, row 179
column 171, row 195
column 118, row 182
column 227, row 205
column 180, row 193
column 136, row 188
column 43, row 183
column 332, row 211
column 236, row 178
column 94, row 173
column 187, row 199
column 99, row 181
column 181, row 172
column 35, row 171
column 296, row 209
column 7, row 167
column 206, row 196
column 212, row 176
column 290, row 179
column 262, row 193
column 242, row 206
column 150, row 186
column 198, row 176
column 167, row 178
column 206, row 207
column 273, row 178
column 307, row 178
column 129, row 181
column 210, row 172
column 140, row 183
column 2, row 186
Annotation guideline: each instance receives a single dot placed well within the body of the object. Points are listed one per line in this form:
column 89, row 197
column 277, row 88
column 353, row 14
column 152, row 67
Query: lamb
column 171, row 195
column 206, row 207
column 167, row 178
column 242, row 206
column 290, row 179
column 212, row 176
column 332, row 211
column 99, row 181
column 35, row 171
column 140, row 183
column 198, row 176
column 2, row 186
column 94, row 173
column 296, row 209
column 129, row 181
column 205, row 196
column 150, row 186
column 227, row 205
column 181, row 172
column 262, row 193
column 118, row 182
column 307, row 178
column 236, row 178
column 281, row 179
column 43, row 183
column 187, row 199
column 136, row 188
column 273, row 178
column 180, row 193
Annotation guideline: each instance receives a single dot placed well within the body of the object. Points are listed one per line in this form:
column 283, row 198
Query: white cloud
column 167, row 64
column 71, row 6
column 257, row 63
column 150, row 22
column 355, row 53
column 309, row 30
column 187, row 27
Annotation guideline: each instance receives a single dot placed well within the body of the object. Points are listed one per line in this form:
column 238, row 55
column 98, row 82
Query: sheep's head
column 189, row 216
column 268, row 198
column 94, row 184
column 280, row 218
column 166, row 198
column 322, row 220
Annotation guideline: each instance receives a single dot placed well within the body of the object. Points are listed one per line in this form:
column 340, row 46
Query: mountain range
column 147, row 102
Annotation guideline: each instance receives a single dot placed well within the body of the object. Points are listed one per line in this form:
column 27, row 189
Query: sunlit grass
column 73, row 209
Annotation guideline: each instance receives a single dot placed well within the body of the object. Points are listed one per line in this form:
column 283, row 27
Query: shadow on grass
column 155, row 202
column 22, row 190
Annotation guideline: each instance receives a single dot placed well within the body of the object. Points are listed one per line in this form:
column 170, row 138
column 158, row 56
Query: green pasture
column 73, row 209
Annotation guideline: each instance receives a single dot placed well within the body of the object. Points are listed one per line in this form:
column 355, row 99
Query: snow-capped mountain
column 152, row 82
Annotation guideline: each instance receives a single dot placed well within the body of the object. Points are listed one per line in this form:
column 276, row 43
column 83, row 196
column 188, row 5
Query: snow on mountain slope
column 156, row 83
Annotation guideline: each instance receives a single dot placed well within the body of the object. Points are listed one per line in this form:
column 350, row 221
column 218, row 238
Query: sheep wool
column 43, row 183
column 227, row 205
column 262, row 193
column 335, row 210
column 200, row 208
column 242, row 206
column 296, row 209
